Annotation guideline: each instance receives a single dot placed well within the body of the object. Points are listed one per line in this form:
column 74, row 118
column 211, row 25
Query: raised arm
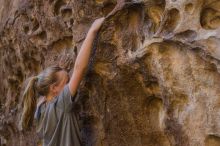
column 82, row 59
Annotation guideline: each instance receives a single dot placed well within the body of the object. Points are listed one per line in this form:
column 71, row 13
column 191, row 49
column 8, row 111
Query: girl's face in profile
column 63, row 80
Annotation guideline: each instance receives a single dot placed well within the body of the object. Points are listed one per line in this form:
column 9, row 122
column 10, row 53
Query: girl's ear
column 52, row 88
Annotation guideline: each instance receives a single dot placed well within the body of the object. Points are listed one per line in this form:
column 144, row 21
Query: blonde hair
column 37, row 85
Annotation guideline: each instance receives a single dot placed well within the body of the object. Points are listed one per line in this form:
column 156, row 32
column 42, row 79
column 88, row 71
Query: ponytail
column 29, row 103
column 37, row 85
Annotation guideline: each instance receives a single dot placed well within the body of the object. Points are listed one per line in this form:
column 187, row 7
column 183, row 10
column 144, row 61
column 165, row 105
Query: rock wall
column 155, row 76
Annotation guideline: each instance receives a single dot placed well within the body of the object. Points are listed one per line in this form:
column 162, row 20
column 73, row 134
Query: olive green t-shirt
column 56, row 121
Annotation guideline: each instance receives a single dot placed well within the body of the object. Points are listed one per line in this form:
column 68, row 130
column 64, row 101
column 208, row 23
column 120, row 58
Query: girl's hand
column 97, row 24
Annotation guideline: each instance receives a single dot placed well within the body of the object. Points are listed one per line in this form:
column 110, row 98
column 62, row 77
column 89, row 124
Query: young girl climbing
column 56, row 122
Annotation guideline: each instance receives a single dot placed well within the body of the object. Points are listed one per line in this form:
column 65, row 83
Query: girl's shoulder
column 41, row 100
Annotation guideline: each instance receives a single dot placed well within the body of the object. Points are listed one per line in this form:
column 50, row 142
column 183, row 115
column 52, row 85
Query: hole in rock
column 173, row 17
column 57, row 6
column 189, row 7
column 210, row 15
column 66, row 13
column 212, row 140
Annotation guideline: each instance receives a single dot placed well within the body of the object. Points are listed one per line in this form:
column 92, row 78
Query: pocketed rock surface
column 154, row 80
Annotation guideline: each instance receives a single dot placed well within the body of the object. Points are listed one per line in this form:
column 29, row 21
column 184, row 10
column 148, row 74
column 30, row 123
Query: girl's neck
column 49, row 98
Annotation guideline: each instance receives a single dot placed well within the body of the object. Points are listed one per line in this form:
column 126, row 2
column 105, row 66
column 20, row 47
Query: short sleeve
column 64, row 100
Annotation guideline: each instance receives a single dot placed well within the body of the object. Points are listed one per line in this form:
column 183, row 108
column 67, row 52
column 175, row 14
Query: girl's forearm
column 82, row 59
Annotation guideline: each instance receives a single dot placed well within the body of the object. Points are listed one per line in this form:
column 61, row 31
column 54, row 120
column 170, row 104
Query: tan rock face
column 154, row 80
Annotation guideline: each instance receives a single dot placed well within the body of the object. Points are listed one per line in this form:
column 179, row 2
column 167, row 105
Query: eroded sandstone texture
column 155, row 79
